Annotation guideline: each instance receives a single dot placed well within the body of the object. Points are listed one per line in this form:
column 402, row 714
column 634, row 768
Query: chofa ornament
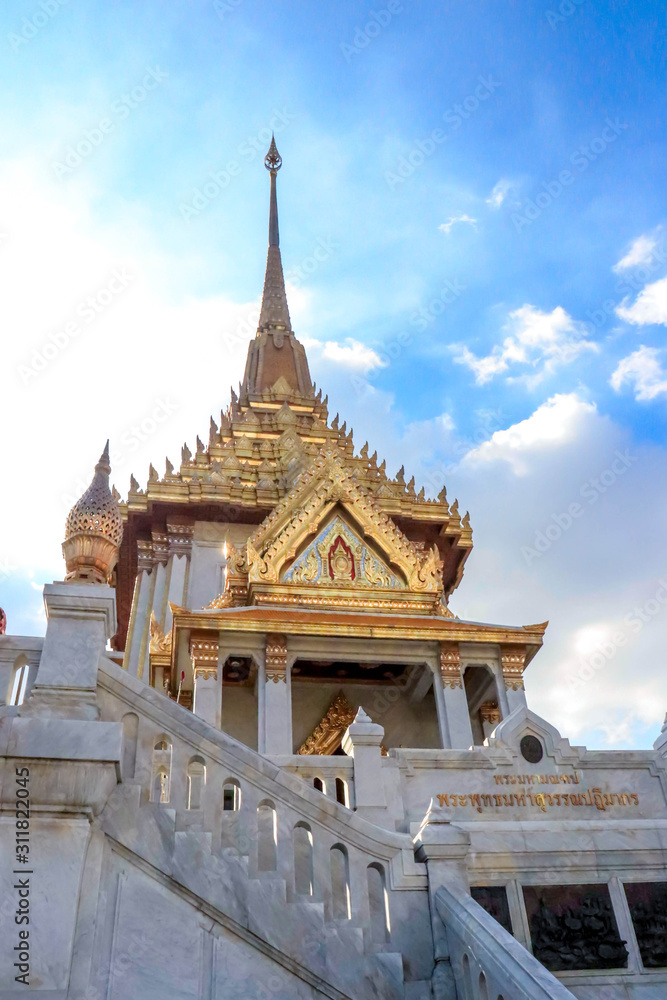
column 94, row 530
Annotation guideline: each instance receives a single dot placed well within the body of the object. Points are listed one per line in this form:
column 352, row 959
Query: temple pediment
column 276, row 549
column 338, row 556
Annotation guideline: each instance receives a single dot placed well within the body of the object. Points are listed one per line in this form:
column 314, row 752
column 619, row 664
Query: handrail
column 509, row 969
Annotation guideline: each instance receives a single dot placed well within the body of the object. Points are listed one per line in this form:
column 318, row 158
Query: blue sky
column 484, row 186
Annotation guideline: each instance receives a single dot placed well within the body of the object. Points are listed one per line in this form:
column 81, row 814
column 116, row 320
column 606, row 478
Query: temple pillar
column 162, row 579
column 207, row 699
column 363, row 742
column 513, row 661
column 457, row 715
column 275, row 703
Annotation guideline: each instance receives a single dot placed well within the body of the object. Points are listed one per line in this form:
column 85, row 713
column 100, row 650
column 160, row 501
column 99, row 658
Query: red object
column 3, row 622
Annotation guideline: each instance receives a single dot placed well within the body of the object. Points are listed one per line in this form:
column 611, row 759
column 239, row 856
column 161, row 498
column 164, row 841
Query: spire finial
column 273, row 160
column 104, row 464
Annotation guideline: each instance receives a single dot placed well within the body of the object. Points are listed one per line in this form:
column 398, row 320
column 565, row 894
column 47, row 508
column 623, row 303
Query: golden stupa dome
column 94, row 529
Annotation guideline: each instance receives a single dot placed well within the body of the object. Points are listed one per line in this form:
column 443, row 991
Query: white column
column 276, row 703
column 511, row 694
column 206, row 703
column 457, row 714
column 363, row 742
column 138, row 634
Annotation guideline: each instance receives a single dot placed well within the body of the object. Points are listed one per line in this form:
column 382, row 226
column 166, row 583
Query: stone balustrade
column 487, row 962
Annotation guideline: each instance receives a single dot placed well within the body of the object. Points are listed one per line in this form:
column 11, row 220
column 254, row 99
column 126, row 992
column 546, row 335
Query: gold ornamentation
column 513, row 660
column 337, row 557
column 325, row 483
column 489, row 712
column 276, row 658
column 206, row 673
column 237, row 560
column 450, row 665
column 160, row 643
column 221, row 601
column 204, row 651
column 542, row 800
column 328, row 734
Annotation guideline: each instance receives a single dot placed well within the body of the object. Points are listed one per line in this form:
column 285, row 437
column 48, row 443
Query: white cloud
column 540, row 340
column 650, row 305
column 518, row 481
column 446, row 227
column 351, row 354
column 553, row 424
column 500, row 192
column 640, row 252
column 642, row 370
column 135, row 357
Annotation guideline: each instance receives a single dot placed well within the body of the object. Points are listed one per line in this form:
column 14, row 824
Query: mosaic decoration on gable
column 338, row 557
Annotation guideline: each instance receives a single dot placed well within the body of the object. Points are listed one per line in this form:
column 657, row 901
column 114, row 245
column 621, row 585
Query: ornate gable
column 338, row 556
column 356, row 545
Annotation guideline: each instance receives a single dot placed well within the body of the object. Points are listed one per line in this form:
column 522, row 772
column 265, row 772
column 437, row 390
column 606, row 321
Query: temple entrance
column 327, row 693
column 239, row 711
column 482, row 697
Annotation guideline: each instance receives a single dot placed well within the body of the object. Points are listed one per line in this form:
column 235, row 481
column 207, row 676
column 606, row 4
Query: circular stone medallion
column 531, row 749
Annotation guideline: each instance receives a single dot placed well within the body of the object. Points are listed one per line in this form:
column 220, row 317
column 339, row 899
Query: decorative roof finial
column 273, row 160
column 94, row 529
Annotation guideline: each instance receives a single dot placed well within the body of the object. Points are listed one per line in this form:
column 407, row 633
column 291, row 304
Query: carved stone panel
column 574, row 927
column 493, row 898
column 648, row 909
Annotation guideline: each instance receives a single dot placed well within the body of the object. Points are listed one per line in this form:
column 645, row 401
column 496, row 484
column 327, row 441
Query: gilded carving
column 160, row 643
column 327, row 735
column 276, row 658
column 513, row 660
column 490, row 712
column 338, row 557
column 450, row 665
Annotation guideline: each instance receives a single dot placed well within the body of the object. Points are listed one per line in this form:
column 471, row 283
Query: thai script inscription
column 536, row 779
column 543, row 800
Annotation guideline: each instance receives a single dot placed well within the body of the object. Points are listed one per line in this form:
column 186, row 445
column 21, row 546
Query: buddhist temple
column 263, row 758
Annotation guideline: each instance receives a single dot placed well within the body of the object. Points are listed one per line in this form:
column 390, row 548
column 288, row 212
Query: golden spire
column 94, row 530
column 276, row 360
